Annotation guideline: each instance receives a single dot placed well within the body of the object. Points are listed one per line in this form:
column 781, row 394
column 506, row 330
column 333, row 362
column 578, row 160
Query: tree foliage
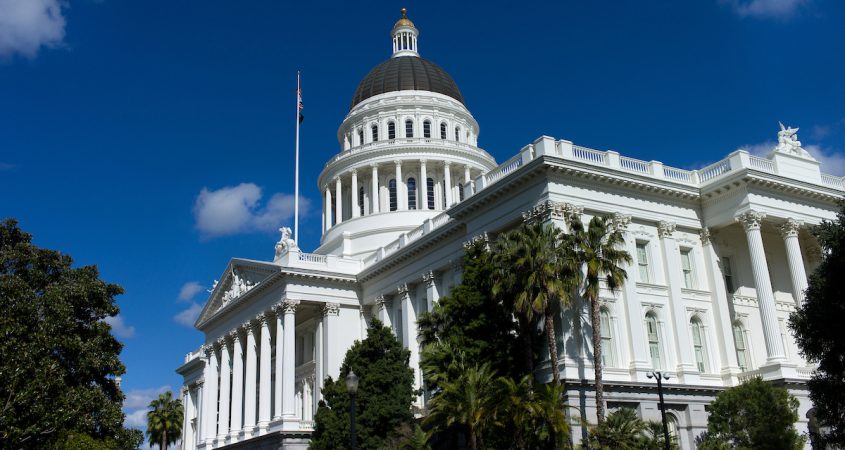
column 753, row 415
column 384, row 398
column 58, row 359
column 817, row 324
column 164, row 420
column 623, row 430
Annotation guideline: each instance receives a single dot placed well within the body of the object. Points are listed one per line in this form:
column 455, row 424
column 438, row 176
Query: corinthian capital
column 751, row 219
column 402, row 289
column 705, row 236
column 621, row 221
column 331, row 309
column 666, row 229
column 790, row 228
column 428, row 278
column 381, row 303
column 289, row 306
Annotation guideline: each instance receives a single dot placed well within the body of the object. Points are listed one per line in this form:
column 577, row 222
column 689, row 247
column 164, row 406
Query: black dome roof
column 406, row 73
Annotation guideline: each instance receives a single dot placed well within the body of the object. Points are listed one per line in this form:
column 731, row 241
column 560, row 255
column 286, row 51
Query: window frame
column 643, row 266
column 409, row 126
column 392, row 199
column 427, row 129
column 653, row 345
column 699, row 348
column 444, row 131
column 687, row 267
column 429, row 188
column 374, row 132
column 740, row 337
column 391, row 130
column 411, row 187
column 607, row 353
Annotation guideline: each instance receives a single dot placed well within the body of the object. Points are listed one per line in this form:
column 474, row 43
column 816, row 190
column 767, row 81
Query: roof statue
column 788, row 142
column 286, row 243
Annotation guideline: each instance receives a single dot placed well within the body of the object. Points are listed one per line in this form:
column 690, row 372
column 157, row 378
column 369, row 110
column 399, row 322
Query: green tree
column 538, row 268
column 598, row 249
column 752, row 415
column 164, row 420
column 531, row 416
column 384, row 398
column 817, row 324
column 623, row 430
column 58, row 359
column 467, row 401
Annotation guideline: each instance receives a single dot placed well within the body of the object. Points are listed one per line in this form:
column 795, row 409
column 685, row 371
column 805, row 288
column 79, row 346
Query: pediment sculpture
column 239, row 284
column 788, row 142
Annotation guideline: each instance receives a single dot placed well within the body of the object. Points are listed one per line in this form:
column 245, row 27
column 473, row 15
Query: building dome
column 406, row 73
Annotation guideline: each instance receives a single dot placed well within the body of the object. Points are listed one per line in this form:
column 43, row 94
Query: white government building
column 721, row 255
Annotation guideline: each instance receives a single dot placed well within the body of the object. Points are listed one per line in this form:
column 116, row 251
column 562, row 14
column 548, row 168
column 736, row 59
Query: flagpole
column 296, row 177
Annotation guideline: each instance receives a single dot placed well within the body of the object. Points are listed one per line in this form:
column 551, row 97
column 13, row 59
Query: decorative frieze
column 331, row 309
column 790, row 228
column 666, row 229
column 552, row 210
column 751, row 220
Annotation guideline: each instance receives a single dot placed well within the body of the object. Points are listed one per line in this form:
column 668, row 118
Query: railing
column 677, row 174
column 313, row 258
column 766, row 165
column 634, row 165
column 714, row 170
column 806, row 372
column 833, row 181
column 745, row 376
column 588, row 154
column 439, row 220
column 504, row 169
column 404, row 141
column 413, row 235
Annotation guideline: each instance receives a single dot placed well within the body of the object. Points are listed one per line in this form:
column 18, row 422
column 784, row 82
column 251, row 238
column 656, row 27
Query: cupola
column 405, row 37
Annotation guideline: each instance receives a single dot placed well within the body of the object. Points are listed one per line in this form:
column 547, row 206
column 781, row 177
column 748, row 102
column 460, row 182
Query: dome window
column 391, row 130
column 412, row 193
column 443, row 130
column 360, row 137
column 427, row 129
column 458, row 134
column 391, row 188
column 361, row 199
column 409, row 128
column 375, row 133
column 430, row 189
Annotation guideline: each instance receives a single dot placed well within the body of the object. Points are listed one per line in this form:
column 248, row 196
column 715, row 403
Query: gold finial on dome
column 404, row 21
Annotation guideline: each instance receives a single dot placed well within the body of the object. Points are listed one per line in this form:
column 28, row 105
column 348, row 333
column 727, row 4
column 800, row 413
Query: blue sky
column 155, row 138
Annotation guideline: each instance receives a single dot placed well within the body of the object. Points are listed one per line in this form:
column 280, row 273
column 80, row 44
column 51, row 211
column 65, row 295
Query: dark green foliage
column 58, row 358
column 164, row 420
column 752, row 415
column 818, row 330
column 528, row 416
column 385, row 394
column 623, row 430
column 470, row 319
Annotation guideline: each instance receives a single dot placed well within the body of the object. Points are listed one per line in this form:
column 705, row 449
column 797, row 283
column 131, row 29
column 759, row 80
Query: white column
column 319, row 371
column 466, row 174
column 383, row 311
column 264, row 395
column 225, row 388
column 328, row 213
column 288, row 367
column 680, row 325
column 751, row 221
column 431, row 293
column 726, row 346
column 640, row 363
column 447, row 176
column 280, row 338
column 400, row 191
column 374, row 195
column 188, row 411
column 250, row 378
column 210, row 419
column 338, row 201
column 409, row 329
column 422, row 187
column 200, row 412
column 356, row 207
column 237, row 381
column 331, row 344
column 789, row 230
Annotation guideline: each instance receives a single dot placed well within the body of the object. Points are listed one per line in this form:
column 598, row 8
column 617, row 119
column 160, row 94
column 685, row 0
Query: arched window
column 606, row 339
column 443, row 130
column 409, row 128
column 391, row 130
column 457, row 133
column 412, row 193
column 360, row 137
column 375, row 133
column 443, row 196
column 698, row 344
column 391, row 187
column 361, row 199
column 741, row 346
column 672, row 427
column 427, row 129
column 430, row 191
column 653, row 340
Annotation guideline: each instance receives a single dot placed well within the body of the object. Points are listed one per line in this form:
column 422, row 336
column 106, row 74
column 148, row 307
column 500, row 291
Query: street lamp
column 660, row 377
column 352, row 388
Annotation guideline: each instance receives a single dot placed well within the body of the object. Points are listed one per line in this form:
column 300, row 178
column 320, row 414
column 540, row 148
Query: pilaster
column 331, row 343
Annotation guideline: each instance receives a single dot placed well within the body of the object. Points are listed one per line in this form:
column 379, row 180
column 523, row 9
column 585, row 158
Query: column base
column 290, row 423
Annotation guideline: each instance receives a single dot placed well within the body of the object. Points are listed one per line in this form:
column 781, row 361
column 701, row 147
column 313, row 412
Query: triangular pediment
column 240, row 277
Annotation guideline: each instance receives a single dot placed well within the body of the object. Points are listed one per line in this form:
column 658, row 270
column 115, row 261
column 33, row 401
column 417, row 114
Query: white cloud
column 119, row 327
column 189, row 290
column 27, row 25
column 188, row 317
column 766, row 9
column 238, row 209
column 136, row 403
column 4, row 165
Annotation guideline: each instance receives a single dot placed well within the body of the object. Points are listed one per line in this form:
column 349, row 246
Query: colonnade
column 241, row 397
column 425, row 197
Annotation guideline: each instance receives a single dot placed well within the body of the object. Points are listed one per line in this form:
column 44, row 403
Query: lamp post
column 660, row 376
column 352, row 388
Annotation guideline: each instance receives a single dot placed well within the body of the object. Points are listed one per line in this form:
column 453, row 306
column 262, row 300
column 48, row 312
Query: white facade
column 720, row 257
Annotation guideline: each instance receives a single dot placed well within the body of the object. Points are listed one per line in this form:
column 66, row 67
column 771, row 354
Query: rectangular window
column 698, row 346
column 727, row 272
column 430, row 189
column 427, row 129
column 653, row 342
column 686, row 267
column 642, row 261
column 606, row 341
column 739, row 339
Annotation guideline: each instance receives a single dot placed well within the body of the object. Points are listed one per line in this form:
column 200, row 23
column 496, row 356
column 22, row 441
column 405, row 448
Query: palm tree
column 467, row 400
column 534, row 417
column 536, row 266
column 598, row 251
column 623, row 430
column 164, row 420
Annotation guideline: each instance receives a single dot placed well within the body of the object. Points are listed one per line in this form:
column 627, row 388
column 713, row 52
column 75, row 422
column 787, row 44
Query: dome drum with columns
column 720, row 259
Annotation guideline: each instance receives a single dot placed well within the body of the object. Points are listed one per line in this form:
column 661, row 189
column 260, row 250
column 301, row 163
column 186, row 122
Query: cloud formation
column 28, row 25
column 188, row 317
column 766, row 9
column 189, row 290
column 136, row 403
column 238, row 209
column 119, row 327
